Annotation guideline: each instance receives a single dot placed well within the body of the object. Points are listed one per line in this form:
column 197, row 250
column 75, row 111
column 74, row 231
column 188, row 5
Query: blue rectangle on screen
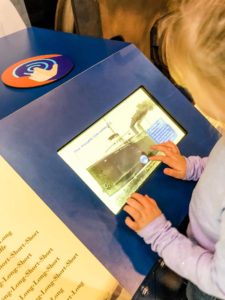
column 161, row 132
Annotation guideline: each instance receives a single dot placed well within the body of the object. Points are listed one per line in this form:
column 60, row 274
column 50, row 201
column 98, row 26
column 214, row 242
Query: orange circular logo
column 37, row 71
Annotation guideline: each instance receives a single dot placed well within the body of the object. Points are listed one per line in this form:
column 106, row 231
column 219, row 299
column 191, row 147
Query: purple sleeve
column 185, row 257
column 195, row 167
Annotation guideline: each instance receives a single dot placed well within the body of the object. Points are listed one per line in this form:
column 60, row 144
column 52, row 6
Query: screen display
column 111, row 156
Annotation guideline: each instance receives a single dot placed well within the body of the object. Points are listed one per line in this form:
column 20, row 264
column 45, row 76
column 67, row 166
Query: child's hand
column 142, row 209
column 172, row 158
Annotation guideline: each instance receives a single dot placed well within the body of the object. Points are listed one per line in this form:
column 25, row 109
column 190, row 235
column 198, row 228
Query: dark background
column 41, row 12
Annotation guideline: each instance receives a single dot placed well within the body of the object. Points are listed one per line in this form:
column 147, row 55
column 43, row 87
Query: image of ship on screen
column 117, row 169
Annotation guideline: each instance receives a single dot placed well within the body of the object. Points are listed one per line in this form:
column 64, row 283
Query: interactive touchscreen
column 111, row 156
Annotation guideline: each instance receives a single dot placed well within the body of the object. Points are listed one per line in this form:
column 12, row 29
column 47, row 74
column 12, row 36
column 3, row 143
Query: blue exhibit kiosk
column 99, row 105
column 35, row 41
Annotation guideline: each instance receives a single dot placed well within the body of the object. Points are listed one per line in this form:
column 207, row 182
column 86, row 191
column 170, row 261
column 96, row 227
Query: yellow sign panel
column 40, row 258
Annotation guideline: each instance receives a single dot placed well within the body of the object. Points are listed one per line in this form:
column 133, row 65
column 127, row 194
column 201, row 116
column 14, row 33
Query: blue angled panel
column 31, row 137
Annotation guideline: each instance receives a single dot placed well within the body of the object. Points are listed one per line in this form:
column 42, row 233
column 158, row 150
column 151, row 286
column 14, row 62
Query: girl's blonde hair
column 193, row 38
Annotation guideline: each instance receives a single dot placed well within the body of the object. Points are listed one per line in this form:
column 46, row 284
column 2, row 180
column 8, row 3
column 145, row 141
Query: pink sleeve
column 195, row 167
column 186, row 257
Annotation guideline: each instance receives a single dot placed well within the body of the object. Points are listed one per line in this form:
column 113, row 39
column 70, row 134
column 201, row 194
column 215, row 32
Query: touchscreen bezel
column 109, row 176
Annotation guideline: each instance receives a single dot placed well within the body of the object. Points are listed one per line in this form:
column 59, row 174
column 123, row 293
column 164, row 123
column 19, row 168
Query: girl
column 193, row 39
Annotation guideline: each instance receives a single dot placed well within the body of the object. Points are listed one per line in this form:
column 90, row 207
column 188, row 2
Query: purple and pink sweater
column 199, row 257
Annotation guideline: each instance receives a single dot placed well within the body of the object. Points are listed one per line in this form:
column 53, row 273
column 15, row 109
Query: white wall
column 10, row 20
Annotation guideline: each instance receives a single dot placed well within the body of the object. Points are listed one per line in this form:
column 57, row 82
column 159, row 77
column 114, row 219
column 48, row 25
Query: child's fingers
column 172, row 173
column 165, row 159
column 135, row 214
column 150, row 200
column 143, row 200
column 168, row 145
column 160, row 147
column 172, row 146
column 131, row 224
column 164, row 149
column 135, row 204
